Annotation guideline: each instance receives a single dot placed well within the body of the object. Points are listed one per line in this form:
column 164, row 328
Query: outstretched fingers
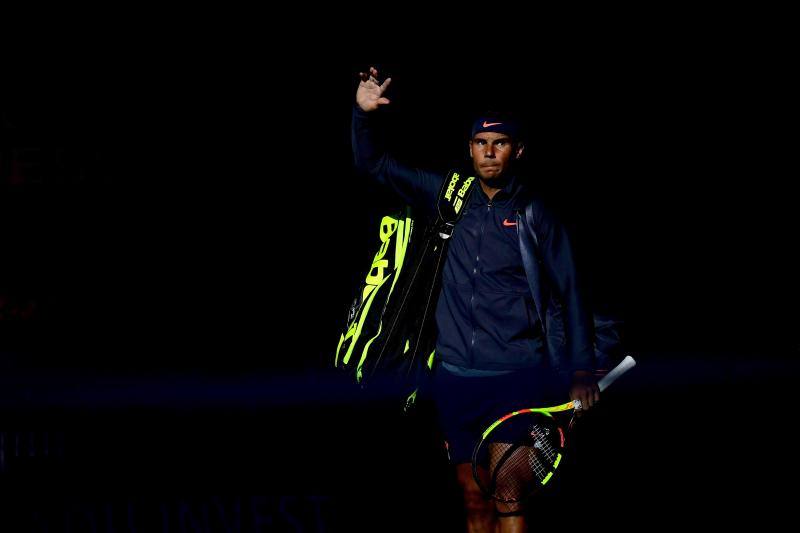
column 372, row 76
column 370, row 90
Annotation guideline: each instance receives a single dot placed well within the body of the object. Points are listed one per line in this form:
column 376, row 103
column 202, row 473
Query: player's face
column 492, row 154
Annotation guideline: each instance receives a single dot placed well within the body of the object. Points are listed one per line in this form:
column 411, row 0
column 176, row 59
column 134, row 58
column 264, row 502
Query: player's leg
column 479, row 510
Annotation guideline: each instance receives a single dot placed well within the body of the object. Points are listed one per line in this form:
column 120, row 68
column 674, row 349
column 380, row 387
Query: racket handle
column 616, row 372
column 625, row 365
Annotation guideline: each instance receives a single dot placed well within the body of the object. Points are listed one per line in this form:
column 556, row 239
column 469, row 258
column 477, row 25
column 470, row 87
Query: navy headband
column 496, row 125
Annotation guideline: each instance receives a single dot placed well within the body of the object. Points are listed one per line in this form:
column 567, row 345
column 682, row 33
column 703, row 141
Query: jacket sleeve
column 559, row 264
column 417, row 187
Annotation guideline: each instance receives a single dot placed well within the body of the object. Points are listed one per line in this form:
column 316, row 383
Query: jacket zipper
column 474, row 276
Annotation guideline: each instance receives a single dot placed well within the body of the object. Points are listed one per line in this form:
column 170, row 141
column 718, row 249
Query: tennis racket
column 523, row 449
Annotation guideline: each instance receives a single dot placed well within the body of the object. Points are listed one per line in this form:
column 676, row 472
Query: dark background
column 182, row 232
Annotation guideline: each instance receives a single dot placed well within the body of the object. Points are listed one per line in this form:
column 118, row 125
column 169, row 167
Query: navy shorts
column 467, row 405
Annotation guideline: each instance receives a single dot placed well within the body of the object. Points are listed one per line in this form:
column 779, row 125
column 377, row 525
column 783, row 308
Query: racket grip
column 616, row 372
column 625, row 365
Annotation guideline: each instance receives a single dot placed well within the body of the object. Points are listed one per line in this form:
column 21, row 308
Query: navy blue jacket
column 509, row 296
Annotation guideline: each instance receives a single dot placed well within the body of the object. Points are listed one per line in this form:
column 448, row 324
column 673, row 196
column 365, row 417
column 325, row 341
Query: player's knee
column 474, row 499
column 475, row 503
column 509, row 509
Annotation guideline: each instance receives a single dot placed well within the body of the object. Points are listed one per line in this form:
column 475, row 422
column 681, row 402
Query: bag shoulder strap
column 531, row 220
column 453, row 196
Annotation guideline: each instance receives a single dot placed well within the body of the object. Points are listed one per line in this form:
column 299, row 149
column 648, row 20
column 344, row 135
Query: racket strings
column 517, row 469
column 543, row 443
column 512, row 472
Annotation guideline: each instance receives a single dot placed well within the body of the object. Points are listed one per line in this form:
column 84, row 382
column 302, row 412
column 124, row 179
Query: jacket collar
column 507, row 196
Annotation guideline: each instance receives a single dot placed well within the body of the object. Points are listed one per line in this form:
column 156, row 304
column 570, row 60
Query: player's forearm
column 368, row 153
column 415, row 186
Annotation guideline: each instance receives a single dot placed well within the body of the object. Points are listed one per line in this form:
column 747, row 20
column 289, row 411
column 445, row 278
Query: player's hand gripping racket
column 523, row 449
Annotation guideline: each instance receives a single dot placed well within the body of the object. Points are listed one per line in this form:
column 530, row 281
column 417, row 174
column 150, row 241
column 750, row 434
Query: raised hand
column 369, row 95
